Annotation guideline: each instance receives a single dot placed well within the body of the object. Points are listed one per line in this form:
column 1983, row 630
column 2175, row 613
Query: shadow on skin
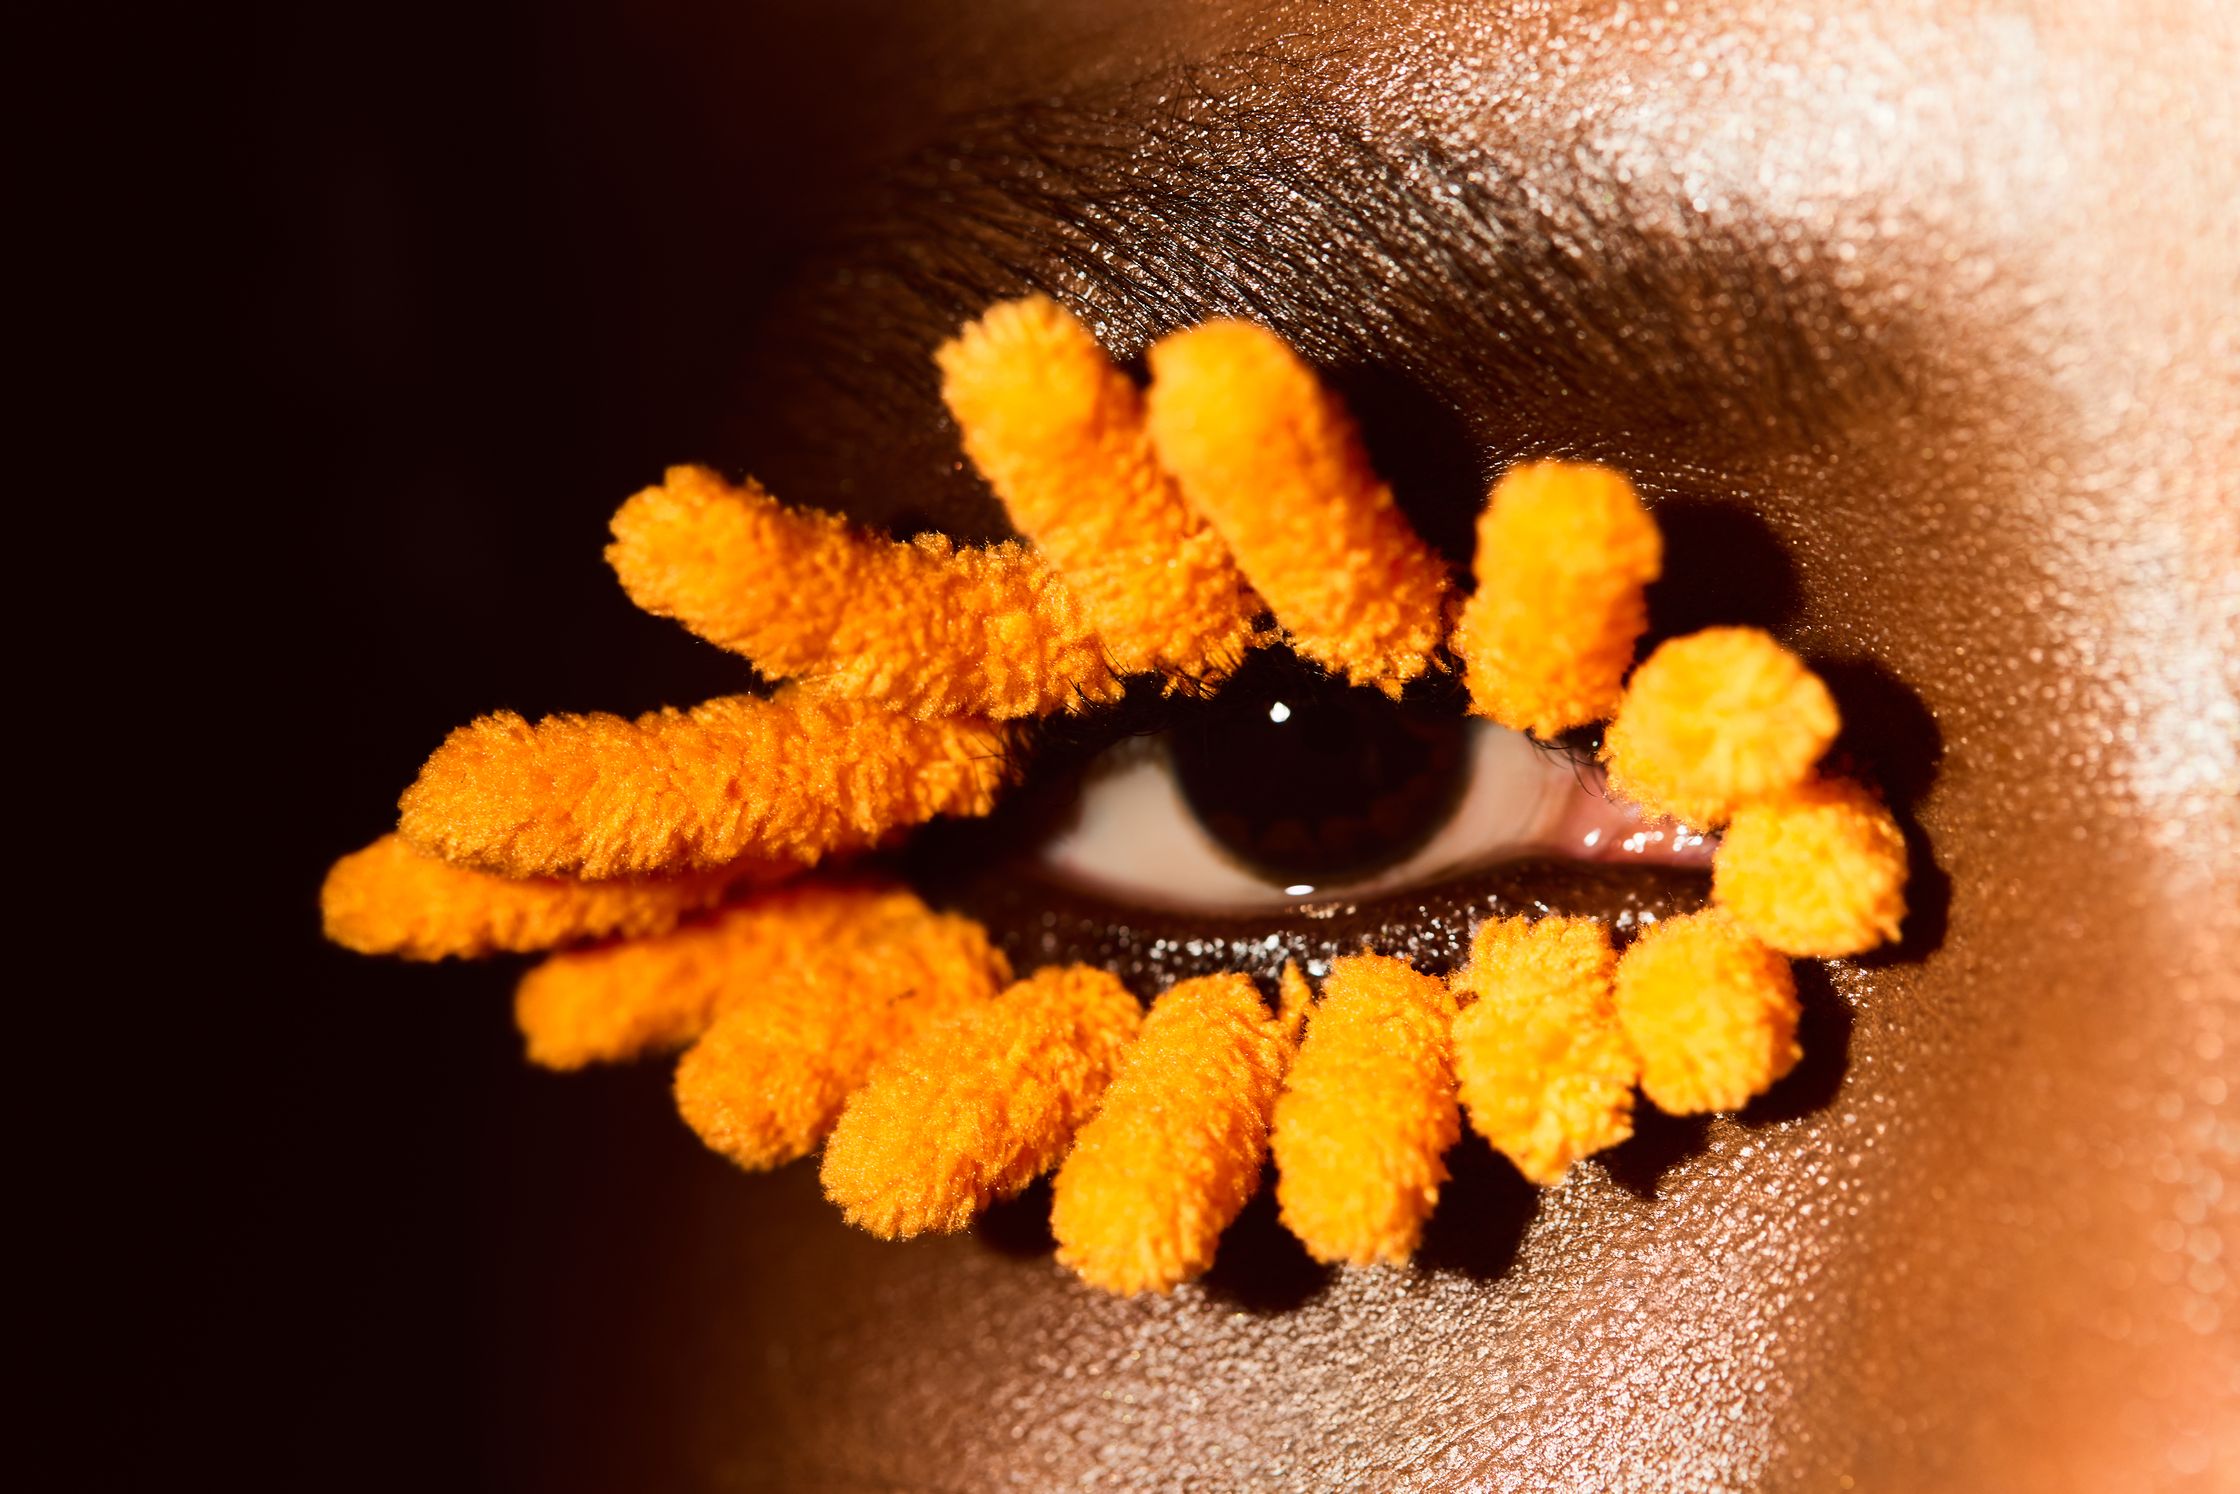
column 1659, row 1143
column 1824, row 1031
column 1019, row 1227
column 1419, row 445
column 1722, row 568
column 1891, row 740
column 1484, row 1210
column 1261, row 1267
column 1889, row 735
column 1928, row 902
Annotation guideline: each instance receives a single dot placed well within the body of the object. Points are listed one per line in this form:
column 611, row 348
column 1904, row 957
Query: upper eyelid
column 1549, row 290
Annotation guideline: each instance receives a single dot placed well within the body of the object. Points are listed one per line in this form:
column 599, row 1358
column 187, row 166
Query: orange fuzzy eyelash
column 921, row 626
column 794, row 777
column 392, row 899
column 1565, row 554
column 981, row 1106
column 1711, row 1012
column 875, row 952
column 1546, row 1071
column 1058, row 431
column 1714, row 721
column 1163, row 529
column 1368, row 1113
column 1258, row 446
column 1175, row 1151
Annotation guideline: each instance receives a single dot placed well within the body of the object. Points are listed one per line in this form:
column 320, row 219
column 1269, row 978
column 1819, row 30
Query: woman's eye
column 1291, row 787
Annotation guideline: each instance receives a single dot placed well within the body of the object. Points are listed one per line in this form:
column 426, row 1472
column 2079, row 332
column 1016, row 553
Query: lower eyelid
column 1036, row 922
column 1592, row 826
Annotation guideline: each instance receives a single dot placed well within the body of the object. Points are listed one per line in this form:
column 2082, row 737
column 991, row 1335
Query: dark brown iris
column 1308, row 780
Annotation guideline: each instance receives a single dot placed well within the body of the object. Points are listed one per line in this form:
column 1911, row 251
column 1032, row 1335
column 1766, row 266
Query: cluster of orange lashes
column 697, row 857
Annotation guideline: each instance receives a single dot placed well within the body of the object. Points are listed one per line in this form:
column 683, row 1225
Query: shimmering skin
column 1985, row 1241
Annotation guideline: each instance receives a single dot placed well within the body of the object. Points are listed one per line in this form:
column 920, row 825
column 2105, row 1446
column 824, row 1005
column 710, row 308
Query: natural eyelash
column 849, row 1013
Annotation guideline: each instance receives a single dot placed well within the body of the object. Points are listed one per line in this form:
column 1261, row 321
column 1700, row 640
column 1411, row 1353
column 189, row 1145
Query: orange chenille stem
column 767, row 1079
column 1819, row 871
column 392, row 899
column 922, row 626
column 1274, row 462
column 1716, row 719
column 1544, row 1068
column 1367, row 1115
column 792, row 777
column 1565, row 556
column 1175, row 1151
column 1057, row 429
column 1711, row 1012
column 619, row 1001
column 973, row 1109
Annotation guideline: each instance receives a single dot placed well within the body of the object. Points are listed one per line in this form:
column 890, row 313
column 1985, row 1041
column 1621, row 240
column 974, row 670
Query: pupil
column 1306, row 779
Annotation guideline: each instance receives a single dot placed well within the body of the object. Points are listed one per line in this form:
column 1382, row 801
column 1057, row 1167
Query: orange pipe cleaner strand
column 1057, row 429
column 1175, row 1152
column 1366, row 1117
column 922, row 626
column 972, row 1110
column 1544, row 1068
column 1820, row 870
column 794, row 776
column 1714, row 720
column 621, row 1001
column 1274, row 462
column 767, row 1079
column 1565, row 555
column 1710, row 1010
column 392, row 899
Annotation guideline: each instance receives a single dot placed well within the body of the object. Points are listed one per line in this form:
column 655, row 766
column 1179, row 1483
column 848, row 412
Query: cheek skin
column 1979, row 1241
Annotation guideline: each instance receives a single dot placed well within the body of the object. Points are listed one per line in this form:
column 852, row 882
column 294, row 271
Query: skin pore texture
column 1915, row 330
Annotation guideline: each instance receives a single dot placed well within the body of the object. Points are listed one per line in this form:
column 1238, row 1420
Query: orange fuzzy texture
column 767, row 1079
column 620, row 1001
column 1565, row 555
column 1714, row 720
column 1711, row 1012
column 1819, row 871
column 921, row 626
column 792, row 777
column 392, row 899
column 1365, row 1120
column 1058, row 432
column 1274, row 462
column 1544, row 1068
column 1175, row 1152
column 973, row 1109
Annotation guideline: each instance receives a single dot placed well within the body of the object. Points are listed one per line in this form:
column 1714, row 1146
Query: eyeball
column 1292, row 788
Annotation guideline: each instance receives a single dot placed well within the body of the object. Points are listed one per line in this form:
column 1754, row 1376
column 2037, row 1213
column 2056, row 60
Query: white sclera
column 1136, row 840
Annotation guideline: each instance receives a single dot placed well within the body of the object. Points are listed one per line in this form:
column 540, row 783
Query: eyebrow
column 1543, row 300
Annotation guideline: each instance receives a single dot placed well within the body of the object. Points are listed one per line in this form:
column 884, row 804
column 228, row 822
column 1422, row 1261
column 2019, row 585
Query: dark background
column 453, row 282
